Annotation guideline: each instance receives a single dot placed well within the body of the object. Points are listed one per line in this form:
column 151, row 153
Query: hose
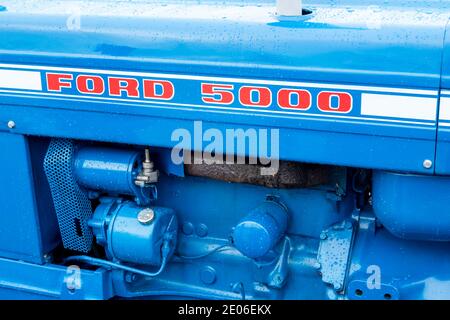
column 105, row 263
column 205, row 254
column 113, row 265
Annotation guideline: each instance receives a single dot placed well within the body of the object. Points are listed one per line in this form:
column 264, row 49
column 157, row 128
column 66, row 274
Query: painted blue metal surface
column 106, row 169
column 385, row 268
column 126, row 239
column 344, row 45
column 336, row 42
column 412, row 207
column 25, row 233
column 261, row 229
column 370, row 81
column 23, row 280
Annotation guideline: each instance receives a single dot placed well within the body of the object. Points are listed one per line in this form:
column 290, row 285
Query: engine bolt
column 11, row 124
column 146, row 216
column 130, row 277
column 427, row 164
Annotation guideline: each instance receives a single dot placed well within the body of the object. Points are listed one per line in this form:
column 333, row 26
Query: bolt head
column 11, row 124
column 427, row 164
column 130, row 277
column 208, row 275
column 337, row 286
column 146, row 216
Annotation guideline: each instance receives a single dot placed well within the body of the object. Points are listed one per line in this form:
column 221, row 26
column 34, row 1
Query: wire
column 106, row 263
column 165, row 250
column 205, row 254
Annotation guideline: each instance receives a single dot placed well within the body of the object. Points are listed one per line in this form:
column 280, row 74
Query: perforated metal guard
column 72, row 205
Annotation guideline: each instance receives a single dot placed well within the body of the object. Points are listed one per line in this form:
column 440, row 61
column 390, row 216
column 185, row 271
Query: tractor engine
column 224, row 149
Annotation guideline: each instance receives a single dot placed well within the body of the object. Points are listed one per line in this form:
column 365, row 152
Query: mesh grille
column 72, row 205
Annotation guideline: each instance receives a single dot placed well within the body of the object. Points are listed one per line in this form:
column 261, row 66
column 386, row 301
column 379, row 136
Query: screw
column 11, row 124
column 146, row 216
column 201, row 230
column 130, row 277
column 337, row 286
column 188, row 228
column 323, row 235
column 208, row 275
column 278, row 280
column 427, row 164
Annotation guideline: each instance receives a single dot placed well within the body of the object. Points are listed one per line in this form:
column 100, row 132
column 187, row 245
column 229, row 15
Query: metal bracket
column 334, row 253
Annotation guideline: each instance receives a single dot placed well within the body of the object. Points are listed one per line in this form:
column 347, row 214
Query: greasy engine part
column 289, row 174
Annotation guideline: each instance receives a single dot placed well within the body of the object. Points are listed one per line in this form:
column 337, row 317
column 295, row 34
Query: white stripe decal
column 444, row 109
column 18, row 79
column 381, row 105
column 191, row 107
column 384, row 104
column 235, row 80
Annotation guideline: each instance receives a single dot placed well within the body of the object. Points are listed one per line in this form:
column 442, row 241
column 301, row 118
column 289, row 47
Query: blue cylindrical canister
column 107, row 169
column 136, row 234
column 261, row 229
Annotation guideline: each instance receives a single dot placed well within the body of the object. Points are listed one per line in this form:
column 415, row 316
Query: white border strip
column 18, row 79
column 395, row 106
column 206, row 108
column 226, row 79
column 444, row 108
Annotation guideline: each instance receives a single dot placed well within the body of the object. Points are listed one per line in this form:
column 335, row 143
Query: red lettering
column 285, row 99
column 344, row 102
column 263, row 96
column 217, row 93
column 55, row 81
column 90, row 84
column 158, row 89
column 119, row 85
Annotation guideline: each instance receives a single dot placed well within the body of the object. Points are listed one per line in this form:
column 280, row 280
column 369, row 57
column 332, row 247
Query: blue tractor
column 230, row 149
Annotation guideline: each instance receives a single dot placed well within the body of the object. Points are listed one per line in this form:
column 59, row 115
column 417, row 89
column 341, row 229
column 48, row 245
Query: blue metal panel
column 333, row 46
column 423, row 216
column 384, row 267
column 348, row 149
column 314, row 210
column 21, row 280
column 335, row 43
column 442, row 165
column 21, row 234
